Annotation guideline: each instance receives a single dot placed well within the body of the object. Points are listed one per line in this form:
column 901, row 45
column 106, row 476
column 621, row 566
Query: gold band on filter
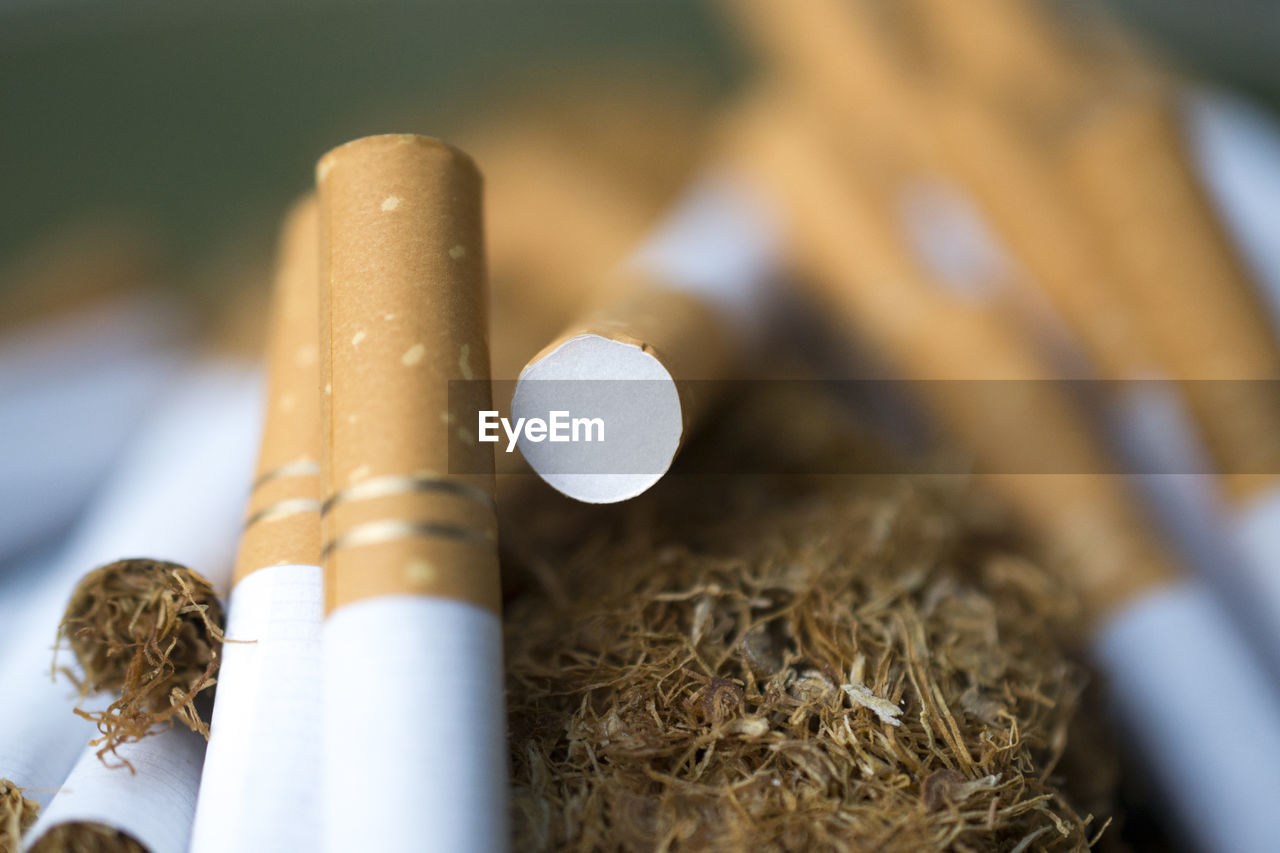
column 403, row 317
column 1194, row 297
column 282, row 524
column 859, row 267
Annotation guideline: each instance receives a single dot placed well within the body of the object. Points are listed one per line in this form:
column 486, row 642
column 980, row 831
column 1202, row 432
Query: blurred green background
column 203, row 120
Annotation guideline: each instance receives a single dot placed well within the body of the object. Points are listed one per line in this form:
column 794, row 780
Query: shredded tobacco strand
column 17, row 814
column 791, row 663
column 151, row 631
column 84, row 837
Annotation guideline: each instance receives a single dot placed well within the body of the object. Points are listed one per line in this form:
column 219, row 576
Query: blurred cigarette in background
column 1090, row 177
column 86, row 349
column 1015, row 54
column 176, row 495
column 644, row 363
column 153, row 805
column 264, row 743
column 1198, row 306
column 1150, row 622
column 1236, row 145
column 414, row 718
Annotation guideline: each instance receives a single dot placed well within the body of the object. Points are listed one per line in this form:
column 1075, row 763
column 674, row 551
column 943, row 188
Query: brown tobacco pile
column 17, row 814
column 797, row 663
column 151, row 631
column 85, row 838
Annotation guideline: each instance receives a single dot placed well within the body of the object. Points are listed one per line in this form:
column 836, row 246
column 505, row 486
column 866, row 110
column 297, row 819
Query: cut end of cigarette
column 85, row 837
column 626, row 389
column 17, row 814
column 151, row 631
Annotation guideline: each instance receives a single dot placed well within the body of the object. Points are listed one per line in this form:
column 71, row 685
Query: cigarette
column 414, row 716
column 945, row 134
column 695, row 289
column 90, row 263
column 1031, row 205
column 1199, row 307
column 1200, row 310
column 177, row 492
column 153, row 806
column 264, row 742
column 72, row 389
column 1148, row 621
column 1135, row 264
column 1236, row 147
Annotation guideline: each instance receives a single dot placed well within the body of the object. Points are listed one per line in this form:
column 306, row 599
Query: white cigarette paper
column 264, row 759
column 720, row 243
column 721, row 247
column 177, row 496
column 425, row 646
column 1202, row 711
column 153, row 806
column 72, row 390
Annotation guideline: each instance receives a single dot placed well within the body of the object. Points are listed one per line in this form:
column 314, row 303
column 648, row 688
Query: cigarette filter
column 176, row 495
column 414, row 719
column 1146, row 617
column 259, row 791
column 1196, row 303
column 1236, row 150
column 1199, row 308
column 696, row 288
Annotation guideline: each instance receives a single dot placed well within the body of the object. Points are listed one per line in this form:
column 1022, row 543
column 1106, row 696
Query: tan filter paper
column 282, row 525
column 1195, row 298
column 680, row 330
column 403, row 315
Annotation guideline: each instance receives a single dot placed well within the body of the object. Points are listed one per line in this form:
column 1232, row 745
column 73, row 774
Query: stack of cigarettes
column 973, row 231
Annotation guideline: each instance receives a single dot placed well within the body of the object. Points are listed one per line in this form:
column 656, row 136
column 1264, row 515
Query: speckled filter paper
column 154, row 806
column 414, row 718
column 202, row 434
column 405, row 314
column 282, row 520
column 258, row 791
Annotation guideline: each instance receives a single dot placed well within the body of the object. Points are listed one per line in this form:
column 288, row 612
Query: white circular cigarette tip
column 605, row 416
